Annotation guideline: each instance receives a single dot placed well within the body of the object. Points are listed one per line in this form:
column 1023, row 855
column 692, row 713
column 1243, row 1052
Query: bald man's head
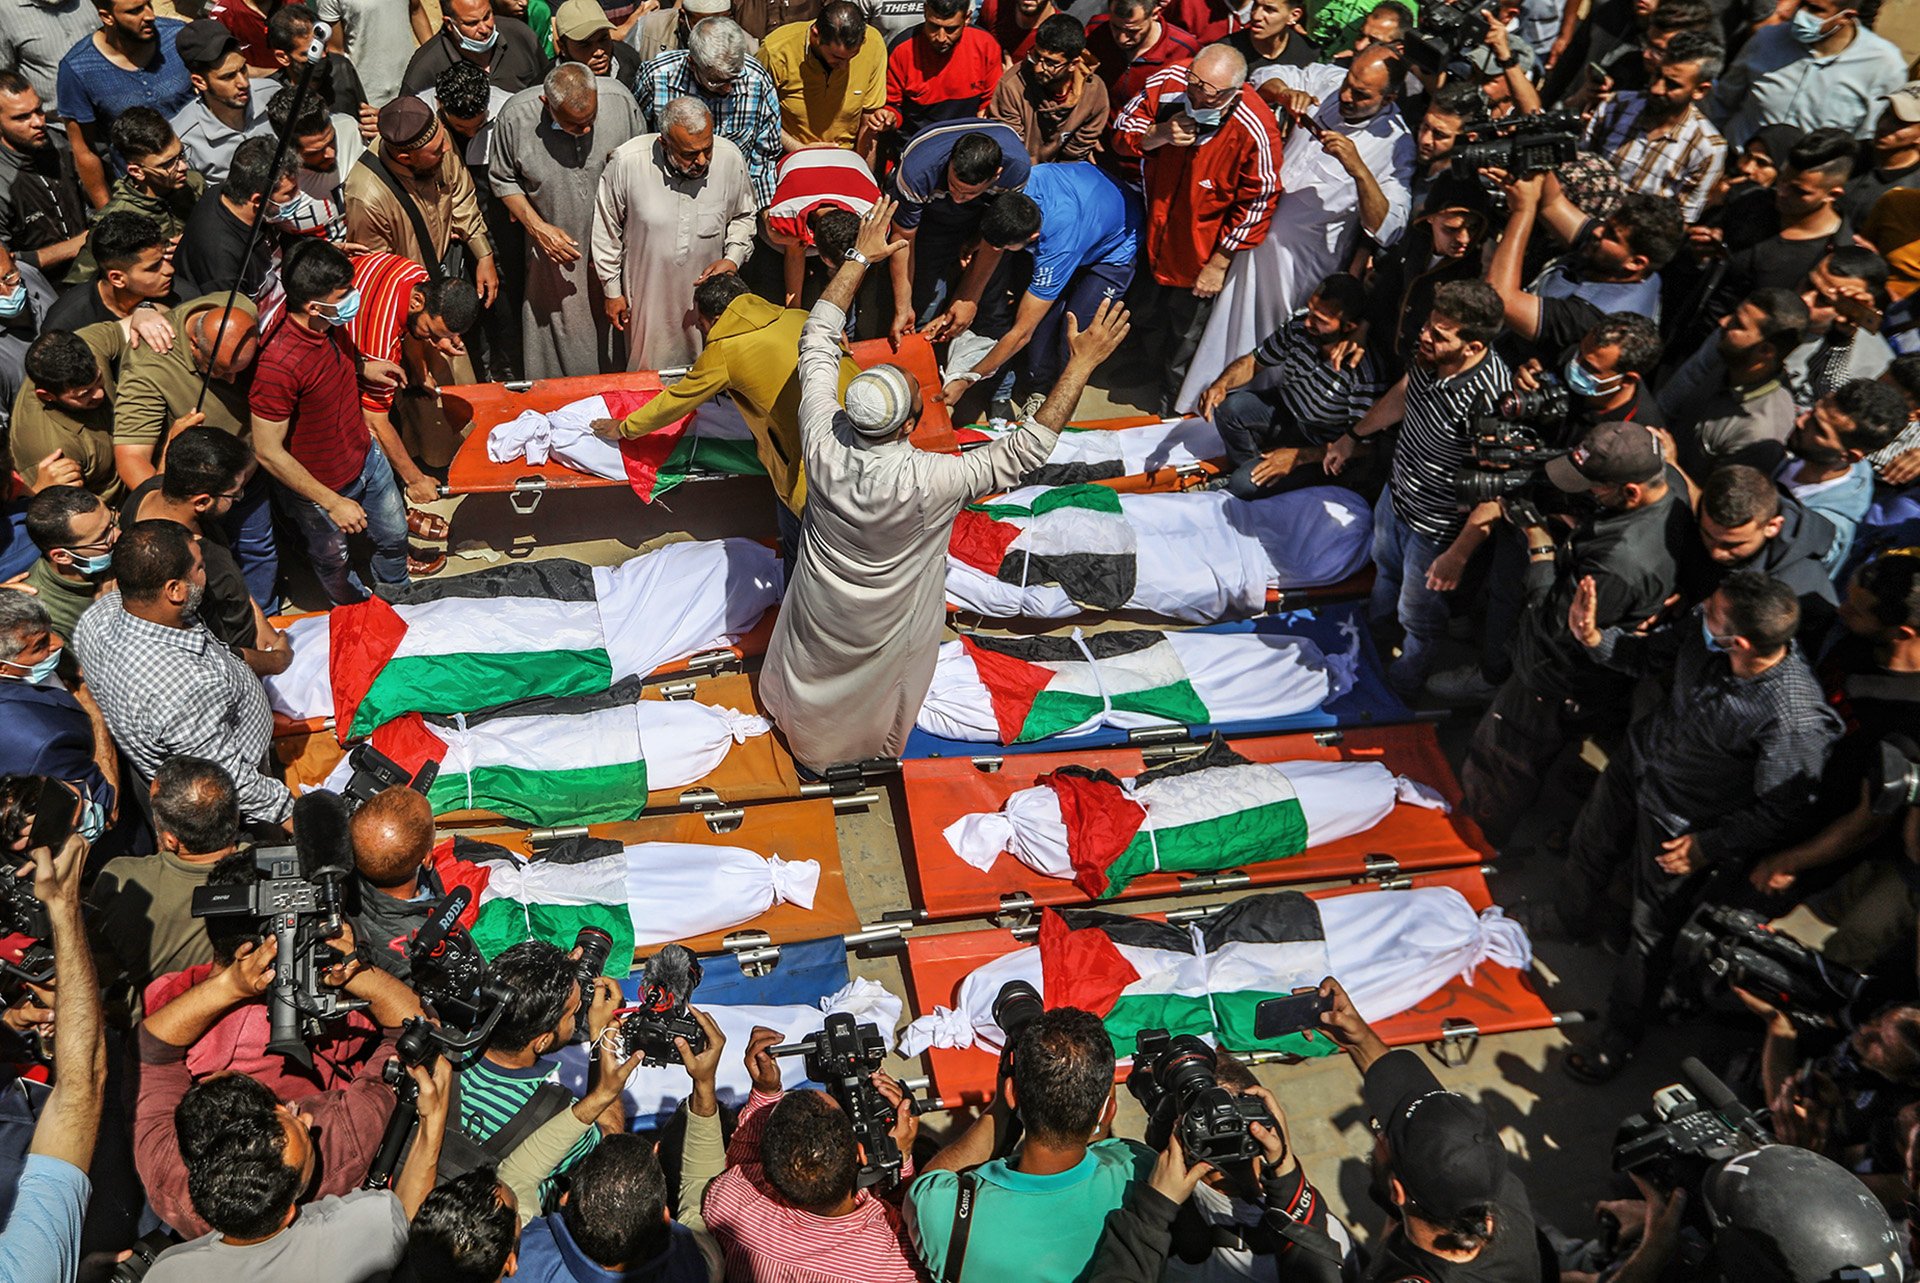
column 392, row 836
column 1372, row 82
column 1221, row 66
column 227, row 351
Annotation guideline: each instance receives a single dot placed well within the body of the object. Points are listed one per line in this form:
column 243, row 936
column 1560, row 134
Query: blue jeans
column 379, row 495
column 1401, row 556
column 249, row 527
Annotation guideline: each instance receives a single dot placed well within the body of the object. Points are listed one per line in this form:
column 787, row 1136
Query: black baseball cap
column 1442, row 1147
column 1611, row 454
column 204, row 42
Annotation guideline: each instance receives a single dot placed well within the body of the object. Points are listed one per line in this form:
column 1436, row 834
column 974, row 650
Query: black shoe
column 1596, row 1064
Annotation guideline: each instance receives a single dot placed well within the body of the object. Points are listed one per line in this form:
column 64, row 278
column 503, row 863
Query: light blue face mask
column 12, row 305
column 478, row 46
column 93, row 819
column 1582, row 383
column 98, row 564
column 283, row 211
column 1206, row 117
column 1809, row 28
column 37, row 674
column 343, row 311
column 1714, row 644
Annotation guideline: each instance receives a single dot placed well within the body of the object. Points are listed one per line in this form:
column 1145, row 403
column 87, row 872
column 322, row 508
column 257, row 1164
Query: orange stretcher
column 1411, row 838
column 483, row 406
column 1500, row 999
column 791, row 830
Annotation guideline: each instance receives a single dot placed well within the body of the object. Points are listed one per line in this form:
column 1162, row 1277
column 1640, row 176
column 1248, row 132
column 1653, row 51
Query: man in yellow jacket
column 753, row 352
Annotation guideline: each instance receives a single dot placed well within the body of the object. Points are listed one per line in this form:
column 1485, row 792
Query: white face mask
column 1205, row 117
column 478, row 46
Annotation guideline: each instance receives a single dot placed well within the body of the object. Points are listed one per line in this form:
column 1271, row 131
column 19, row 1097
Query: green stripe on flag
column 504, row 923
column 1271, row 832
column 587, row 795
column 1089, row 498
column 470, row 681
column 1191, row 1014
column 708, row 454
column 1055, row 711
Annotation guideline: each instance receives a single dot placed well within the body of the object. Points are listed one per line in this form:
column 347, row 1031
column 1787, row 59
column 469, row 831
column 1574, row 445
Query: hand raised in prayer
column 1106, row 330
column 876, row 240
column 1583, row 615
column 554, row 243
column 618, row 313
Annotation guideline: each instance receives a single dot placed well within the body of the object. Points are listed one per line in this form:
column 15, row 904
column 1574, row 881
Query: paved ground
column 1559, row 1132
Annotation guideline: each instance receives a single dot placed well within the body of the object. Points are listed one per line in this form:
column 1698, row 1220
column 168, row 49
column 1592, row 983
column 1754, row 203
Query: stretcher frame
column 1371, row 702
column 794, row 830
column 1411, row 839
column 484, row 406
column 1449, row 1022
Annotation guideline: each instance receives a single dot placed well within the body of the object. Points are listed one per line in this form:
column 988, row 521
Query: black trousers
column 1171, row 319
column 1514, row 749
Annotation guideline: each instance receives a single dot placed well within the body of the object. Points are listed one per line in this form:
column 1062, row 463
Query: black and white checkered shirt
column 172, row 691
column 1683, row 165
column 1735, row 761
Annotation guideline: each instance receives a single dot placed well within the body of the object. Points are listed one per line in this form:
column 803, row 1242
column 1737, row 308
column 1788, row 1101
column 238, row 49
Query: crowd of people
column 1607, row 308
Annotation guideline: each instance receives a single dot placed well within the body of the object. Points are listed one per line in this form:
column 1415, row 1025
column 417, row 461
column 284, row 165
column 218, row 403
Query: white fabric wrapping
column 1174, row 443
column 674, row 890
column 657, row 607
column 1239, row 676
column 682, row 599
column 653, row 1090
column 1338, row 800
column 565, row 436
column 1390, row 949
column 1203, row 556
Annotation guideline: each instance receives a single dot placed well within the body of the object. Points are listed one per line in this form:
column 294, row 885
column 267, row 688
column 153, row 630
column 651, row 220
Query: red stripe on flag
column 1083, row 969
column 362, row 638
column 980, row 541
column 1101, row 821
column 1011, row 686
column 644, row 456
column 409, row 742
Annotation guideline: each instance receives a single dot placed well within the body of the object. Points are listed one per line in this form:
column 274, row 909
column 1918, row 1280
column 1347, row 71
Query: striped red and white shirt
column 769, row 1241
column 386, row 283
column 814, row 177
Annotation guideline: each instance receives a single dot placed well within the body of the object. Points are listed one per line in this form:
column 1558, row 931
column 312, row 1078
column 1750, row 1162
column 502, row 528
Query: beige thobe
column 852, row 653
column 654, row 232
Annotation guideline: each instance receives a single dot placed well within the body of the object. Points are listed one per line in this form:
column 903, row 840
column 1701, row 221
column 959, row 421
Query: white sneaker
column 1463, row 685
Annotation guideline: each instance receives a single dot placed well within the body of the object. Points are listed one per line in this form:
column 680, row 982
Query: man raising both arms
column 852, row 654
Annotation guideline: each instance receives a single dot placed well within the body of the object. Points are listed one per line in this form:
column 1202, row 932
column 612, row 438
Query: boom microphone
column 321, row 835
column 444, row 918
column 670, row 974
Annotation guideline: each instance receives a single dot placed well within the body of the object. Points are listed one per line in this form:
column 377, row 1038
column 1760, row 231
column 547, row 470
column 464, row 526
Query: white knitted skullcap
column 879, row 400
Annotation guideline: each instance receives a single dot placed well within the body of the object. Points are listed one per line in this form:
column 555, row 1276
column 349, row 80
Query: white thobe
column 1314, row 226
column 853, row 649
column 654, row 232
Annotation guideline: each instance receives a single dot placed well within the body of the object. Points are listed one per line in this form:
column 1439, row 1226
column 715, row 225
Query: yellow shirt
column 816, row 106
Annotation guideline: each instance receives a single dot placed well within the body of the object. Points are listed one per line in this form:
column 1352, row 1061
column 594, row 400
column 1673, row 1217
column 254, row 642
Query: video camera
column 667, row 982
column 446, row 967
column 1738, row 947
column 1688, row 1132
column 299, row 891
column 1897, row 786
column 374, row 772
column 842, row 1058
column 1447, row 31
column 1173, row 1079
column 1507, row 455
column 421, row 1042
column 1520, row 146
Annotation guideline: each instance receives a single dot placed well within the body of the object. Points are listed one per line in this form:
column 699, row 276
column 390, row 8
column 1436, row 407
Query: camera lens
column 1015, row 1007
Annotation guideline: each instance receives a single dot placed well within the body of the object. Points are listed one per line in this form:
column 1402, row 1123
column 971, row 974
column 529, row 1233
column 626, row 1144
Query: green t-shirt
column 65, row 600
column 1038, row 1229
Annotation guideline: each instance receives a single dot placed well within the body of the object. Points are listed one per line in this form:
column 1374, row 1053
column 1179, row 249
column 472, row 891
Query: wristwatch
column 855, row 256
column 1507, row 63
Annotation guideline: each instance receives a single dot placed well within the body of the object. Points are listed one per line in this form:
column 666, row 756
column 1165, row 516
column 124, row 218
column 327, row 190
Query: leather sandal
column 430, row 526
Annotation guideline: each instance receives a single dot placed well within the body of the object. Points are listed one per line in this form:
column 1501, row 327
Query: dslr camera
column 299, row 891
column 1506, row 449
column 1897, row 784
column 1173, row 1079
column 26, row 954
column 1737, row 947
column 666, row 987
column 1522, row 145
column 843, row 1058
column 447, row 969
column 1447, row 31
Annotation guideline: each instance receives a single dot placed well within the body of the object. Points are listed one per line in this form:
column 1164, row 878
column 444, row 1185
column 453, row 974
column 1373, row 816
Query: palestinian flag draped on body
column 583, row 760
column 1389, row 949
column 1013, row 690
column 641, row 894
column 1102, row 454
column 714, row 439
column 533, row 629
column 1212, row 811
column 1074, row 536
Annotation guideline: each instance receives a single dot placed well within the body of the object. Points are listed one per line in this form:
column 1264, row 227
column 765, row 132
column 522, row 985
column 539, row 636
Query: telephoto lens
column 595, row 947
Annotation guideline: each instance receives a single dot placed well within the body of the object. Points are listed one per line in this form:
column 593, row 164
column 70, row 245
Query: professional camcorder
column 1447, row 31
column 1520, row 145
column 842, row 1058
column 667, row 983
column 1506, row 455
column 1173, row 1079
column 1736, row 946
column 1688, row 1132
column 298, row 892
column 374, row 772
column 1897, row 785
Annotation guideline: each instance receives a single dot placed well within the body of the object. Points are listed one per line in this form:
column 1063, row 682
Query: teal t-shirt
column 1039, row 1229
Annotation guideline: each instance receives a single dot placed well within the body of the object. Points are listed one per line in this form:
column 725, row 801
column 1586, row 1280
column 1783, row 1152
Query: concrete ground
column 1558, row 1132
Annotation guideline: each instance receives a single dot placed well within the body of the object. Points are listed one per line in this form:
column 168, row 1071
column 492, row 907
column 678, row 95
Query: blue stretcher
column 1371, row 702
